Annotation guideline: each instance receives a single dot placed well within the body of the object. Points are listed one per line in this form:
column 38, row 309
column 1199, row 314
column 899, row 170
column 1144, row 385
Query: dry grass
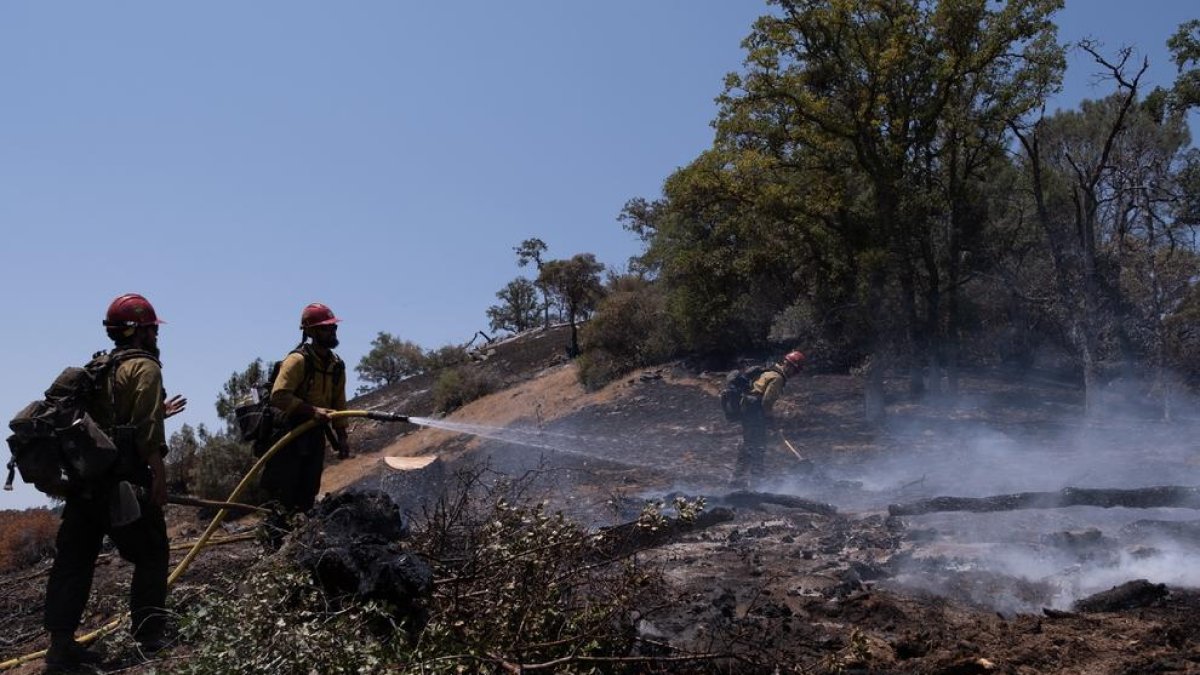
column 26, row 537
column 543, row 399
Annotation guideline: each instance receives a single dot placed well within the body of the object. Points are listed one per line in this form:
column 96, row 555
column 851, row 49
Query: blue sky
column 233, row 161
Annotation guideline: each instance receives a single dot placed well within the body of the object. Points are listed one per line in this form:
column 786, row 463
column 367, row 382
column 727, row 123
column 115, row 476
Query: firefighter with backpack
column 124, row 403
column 755, row 408
column 309, row 385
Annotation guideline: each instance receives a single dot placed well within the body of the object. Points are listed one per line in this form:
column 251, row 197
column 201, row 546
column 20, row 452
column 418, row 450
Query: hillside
column 811, row 571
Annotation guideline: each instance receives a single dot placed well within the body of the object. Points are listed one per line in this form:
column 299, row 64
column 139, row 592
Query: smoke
column 1005, row 438
column 1024, row 560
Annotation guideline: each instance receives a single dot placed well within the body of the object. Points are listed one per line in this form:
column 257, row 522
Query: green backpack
column 261, row 424
column 55, row 442
column 738, row 384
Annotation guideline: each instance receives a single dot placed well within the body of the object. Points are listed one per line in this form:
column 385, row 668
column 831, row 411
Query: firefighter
column 311, row 384
column 757, row 406
column 131, row 407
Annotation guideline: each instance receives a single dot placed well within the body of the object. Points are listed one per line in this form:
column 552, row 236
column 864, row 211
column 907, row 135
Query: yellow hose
column 212, row 526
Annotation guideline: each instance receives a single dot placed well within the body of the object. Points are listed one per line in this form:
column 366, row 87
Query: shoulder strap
column 119, row 355
column 310, row 367
column 337, row 366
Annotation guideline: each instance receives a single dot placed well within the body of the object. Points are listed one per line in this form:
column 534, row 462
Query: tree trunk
column 951, row 344
column 874, row 406
column 573, row 350
column 913, row 334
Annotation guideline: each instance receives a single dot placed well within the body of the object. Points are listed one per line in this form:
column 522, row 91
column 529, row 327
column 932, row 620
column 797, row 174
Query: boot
column 150, row 635
column 66, row 655
column 151, row 646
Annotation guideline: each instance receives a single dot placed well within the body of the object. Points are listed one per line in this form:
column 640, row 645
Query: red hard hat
column 317, row 314
column 795, row 358
column 131, row 310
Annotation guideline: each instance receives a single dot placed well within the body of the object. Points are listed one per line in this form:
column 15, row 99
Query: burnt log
column 628, row 538
column 1186, row 532
column 1173, row 496
column 1129, row 595
column 746, row 498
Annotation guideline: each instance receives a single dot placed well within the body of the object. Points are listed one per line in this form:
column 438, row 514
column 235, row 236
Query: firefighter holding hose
column 310, row 385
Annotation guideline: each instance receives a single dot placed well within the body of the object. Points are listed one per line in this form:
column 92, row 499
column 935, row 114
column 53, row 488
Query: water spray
column 536, row 438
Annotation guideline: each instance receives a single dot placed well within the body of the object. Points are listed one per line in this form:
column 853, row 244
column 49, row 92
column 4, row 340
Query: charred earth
column 807, row 570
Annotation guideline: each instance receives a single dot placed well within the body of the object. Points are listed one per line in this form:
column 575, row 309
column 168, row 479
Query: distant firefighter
column 756, row 405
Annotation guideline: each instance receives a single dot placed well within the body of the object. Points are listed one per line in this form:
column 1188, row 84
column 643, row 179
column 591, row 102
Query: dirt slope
column 853, row 591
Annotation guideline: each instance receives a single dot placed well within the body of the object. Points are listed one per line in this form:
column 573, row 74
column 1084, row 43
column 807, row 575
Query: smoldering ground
column 996, row 438
column 1037, row 442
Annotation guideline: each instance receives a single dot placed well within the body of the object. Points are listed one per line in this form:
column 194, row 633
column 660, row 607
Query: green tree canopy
column 531, row 251
column 390, row 360
column 518, row 309
column 239, row 388
column 575, row 284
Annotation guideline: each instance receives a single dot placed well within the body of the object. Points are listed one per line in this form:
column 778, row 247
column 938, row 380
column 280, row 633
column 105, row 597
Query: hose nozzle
column 386, row 416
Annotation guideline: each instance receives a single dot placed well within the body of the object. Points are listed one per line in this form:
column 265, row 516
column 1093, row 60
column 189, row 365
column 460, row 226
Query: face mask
column 149, row 340
column 327, row 340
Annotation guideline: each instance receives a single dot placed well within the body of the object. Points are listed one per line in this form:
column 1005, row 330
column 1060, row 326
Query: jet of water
column 619, row 450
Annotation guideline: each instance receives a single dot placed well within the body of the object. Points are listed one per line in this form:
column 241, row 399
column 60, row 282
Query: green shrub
column 220, row 464
column 630, row 329
column 445, row 357
column 26, row 537
column 457, row 387
column 279, row 621
column 516, row 584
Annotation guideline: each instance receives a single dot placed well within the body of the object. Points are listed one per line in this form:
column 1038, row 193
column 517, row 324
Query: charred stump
column 352, row 547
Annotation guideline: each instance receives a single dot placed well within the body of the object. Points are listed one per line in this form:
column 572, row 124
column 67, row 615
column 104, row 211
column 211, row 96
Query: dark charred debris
column 788, row 579
column 353, row 545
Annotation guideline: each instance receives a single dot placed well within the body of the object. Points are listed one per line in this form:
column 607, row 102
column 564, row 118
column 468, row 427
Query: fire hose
column 230, row 502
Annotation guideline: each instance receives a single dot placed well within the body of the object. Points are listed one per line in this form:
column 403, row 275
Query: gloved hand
column 309, row 412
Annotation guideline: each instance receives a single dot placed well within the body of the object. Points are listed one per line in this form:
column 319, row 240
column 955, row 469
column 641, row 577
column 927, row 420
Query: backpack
column 737, row 385
column 261, row 424
column 55, row 442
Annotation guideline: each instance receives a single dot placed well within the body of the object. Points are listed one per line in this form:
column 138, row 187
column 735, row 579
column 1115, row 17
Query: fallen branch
column 1152, row 530
column 749, row 499
column 621, row 540
column 1174, row 496
column 621, row 660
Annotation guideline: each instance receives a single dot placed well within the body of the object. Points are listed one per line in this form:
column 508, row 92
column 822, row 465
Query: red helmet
column 131, row 310
column 317, row 314
column 795, row 359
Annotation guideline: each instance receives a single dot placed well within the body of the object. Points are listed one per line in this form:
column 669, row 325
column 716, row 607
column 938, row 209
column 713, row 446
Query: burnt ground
column 809, row 589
